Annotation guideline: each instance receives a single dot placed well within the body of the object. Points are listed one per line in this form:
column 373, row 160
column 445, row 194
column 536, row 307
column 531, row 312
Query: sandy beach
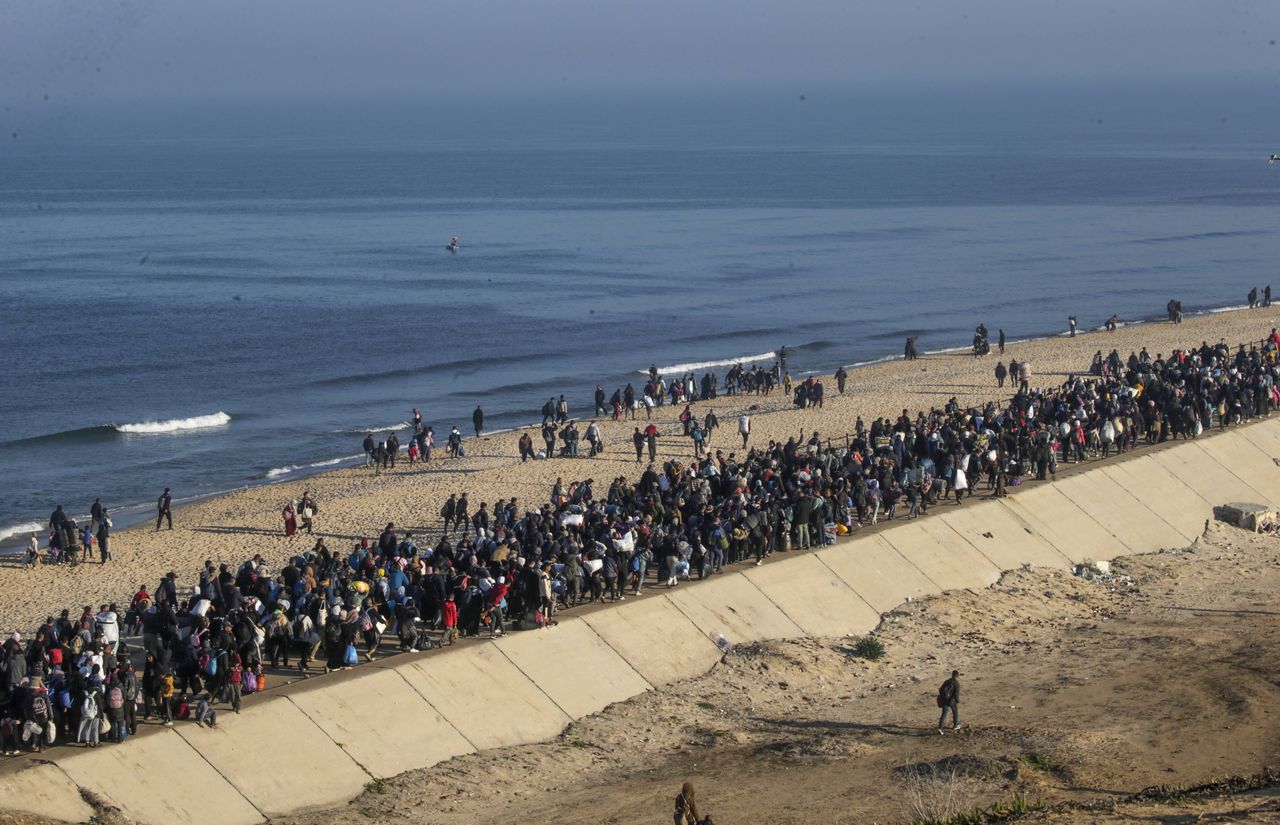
column 354, row 503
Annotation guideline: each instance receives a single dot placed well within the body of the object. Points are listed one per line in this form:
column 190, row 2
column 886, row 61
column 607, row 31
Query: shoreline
column 132, row 515
column 354, row 503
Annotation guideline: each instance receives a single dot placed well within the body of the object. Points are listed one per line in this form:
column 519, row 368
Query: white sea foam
column 677, row 369
column 403, row 425
column 277, row 472
column 22, row 529
column 884, row 359
column 176, row 425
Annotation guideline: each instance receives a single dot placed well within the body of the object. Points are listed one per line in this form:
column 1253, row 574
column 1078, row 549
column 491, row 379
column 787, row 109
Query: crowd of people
column 508, row 566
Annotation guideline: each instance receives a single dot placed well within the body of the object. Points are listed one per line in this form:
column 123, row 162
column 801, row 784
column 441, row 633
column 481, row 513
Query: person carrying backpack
column 278, row 637
column 949, row 700
column 91, row 707
column 128, row 681
column 115, row 714
column 39, row 728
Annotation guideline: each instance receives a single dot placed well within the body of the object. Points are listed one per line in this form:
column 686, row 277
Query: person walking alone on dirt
column 949, row 700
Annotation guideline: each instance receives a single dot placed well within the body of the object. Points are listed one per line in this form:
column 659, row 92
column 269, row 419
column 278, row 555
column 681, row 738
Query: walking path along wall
column 318, row 743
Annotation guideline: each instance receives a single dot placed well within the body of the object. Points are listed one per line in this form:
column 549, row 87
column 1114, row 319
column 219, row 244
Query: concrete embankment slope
column 318, row 743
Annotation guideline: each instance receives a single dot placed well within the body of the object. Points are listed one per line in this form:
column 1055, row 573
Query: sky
column 104, row 51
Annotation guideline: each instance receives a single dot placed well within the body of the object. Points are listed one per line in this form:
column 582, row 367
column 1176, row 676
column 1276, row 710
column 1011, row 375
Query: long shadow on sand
column 258, row 531
column 855, row 727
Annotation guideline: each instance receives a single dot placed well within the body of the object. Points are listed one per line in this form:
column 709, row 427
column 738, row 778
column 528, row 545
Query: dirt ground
column 1073, row 690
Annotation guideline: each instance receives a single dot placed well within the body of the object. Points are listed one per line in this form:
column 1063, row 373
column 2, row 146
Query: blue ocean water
column 285, row 267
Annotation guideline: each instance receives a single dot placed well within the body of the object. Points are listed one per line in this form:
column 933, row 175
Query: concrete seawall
column 319, row 742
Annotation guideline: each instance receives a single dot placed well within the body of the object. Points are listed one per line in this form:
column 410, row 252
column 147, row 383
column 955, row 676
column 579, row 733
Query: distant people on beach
column 1174, row 310
column 980, row 344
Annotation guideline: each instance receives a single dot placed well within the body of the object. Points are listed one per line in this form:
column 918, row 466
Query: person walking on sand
column 949, row 700
column 1000, row 340
column 1001, row 372
column 164, row 508
column 307, row 510
column 290, row 517
column 1071, row 322
column 744, row 428
column 477, row 418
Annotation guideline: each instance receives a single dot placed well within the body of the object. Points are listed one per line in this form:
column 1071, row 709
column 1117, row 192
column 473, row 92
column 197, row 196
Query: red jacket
column 496, row 594
column 450, row 614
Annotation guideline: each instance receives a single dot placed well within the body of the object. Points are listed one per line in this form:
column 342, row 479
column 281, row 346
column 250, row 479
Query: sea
column 208, row 295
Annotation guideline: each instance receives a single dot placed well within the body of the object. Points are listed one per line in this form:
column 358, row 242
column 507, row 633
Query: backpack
column 944, row 694
column 40, row 707
column 65, row 699
column 208, row 663
column 89, row 710
column 115, row 698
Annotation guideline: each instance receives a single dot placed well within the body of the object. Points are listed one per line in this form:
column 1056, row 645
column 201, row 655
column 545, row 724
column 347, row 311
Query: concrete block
column 942, row 554
column 814, row 597
column 1119, row 513
column 656, row 639
column 276, row 757
column 1152, row 484
column 877, row 572
column 381, row 721
column 1252, row 517
column 44, row 790
column 1058, row 520
column 730, row 605
column 1001, row 536
column 156, row 778
column 485, row 697
column 574, row 666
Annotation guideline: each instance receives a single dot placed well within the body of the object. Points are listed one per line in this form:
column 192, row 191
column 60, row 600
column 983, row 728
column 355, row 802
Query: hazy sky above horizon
column 96, row 50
